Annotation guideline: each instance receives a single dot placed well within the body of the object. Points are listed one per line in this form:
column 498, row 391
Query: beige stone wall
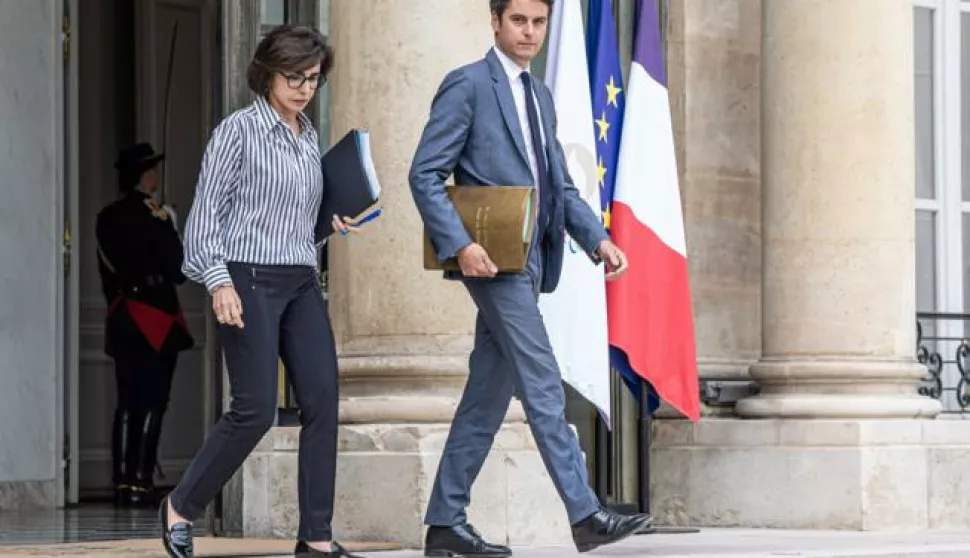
column 714, row 54
column 401, row 331
column 839, row 169
column 839, row 250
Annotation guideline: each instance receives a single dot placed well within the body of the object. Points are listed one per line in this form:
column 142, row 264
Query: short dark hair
column 499, row 6
column 288, row 48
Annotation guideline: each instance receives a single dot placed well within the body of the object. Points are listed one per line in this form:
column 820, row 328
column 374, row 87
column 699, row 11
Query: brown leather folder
column 499, row 218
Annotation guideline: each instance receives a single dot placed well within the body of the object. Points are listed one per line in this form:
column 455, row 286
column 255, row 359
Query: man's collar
column 269, row 118
column 512, row 69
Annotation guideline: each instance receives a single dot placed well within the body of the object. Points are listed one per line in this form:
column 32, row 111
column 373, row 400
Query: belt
column 155, row 280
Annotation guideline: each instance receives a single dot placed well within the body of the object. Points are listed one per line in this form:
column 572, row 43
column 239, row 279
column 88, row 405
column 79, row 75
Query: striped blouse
column 257, row 198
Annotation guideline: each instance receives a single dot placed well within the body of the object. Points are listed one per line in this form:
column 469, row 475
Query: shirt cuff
column 216, row 277
column 449, row 251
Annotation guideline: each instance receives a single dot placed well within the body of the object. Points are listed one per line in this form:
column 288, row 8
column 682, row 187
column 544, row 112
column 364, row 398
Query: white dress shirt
column 514, row 71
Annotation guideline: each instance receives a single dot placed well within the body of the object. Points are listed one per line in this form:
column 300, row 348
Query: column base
column 812, row 406
column 384, row 479
column 812, row 474
column 849, row 389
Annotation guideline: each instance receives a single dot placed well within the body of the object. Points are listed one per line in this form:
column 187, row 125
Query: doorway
column 146, row 71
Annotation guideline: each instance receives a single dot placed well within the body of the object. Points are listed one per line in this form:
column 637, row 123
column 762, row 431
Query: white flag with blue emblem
column 575, row 314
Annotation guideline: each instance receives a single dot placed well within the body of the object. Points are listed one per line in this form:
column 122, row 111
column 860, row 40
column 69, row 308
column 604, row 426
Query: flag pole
column 643, row 445
column 601, row 448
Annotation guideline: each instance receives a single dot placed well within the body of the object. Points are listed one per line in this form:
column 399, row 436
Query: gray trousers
column 512, row 354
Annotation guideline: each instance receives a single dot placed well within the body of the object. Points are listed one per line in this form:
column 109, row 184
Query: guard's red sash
column 154, row 324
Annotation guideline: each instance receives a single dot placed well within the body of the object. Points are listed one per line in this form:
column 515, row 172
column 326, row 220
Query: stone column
column 839, row 220
column 836, row 446
column 714, row 55
column 403, row 333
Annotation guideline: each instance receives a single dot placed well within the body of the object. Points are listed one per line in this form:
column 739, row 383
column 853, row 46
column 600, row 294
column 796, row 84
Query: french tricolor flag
column 649, row 308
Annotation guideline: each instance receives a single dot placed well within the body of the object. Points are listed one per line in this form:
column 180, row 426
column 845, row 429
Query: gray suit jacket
column 474, row 132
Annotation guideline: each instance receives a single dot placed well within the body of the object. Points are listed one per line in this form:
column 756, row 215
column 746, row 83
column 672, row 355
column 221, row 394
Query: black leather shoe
column 606, row 527
column 177, row 539
column 460, row 541
column 337, row 551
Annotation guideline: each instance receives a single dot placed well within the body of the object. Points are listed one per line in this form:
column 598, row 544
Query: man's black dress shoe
column 177, row 539
column 460, row 541
column 336, row 551
column 606, row 527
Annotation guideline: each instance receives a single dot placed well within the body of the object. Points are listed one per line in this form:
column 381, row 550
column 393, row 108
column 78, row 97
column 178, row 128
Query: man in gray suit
column 491, row 123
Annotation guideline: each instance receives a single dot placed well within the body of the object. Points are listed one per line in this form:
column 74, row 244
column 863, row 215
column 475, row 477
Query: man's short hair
column 498, row 6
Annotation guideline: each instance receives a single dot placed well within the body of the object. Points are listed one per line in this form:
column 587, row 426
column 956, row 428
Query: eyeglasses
column 296, row 81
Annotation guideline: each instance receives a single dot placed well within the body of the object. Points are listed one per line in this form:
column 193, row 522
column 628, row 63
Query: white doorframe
column 74, row 290
column 68, row 319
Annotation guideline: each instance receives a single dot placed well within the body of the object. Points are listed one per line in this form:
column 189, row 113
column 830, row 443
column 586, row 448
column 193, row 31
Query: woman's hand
column 345, row 226
column 227, row 306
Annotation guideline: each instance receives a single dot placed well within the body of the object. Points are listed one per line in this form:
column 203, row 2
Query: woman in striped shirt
column 249, row 240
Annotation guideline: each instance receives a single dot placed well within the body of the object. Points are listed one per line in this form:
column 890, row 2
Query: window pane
column 965, row 276
column 964, row 92
column 925, row 261
column 923, row 65
column 274, row 12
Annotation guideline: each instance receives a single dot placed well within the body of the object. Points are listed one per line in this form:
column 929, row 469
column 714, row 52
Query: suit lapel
column 503, row 92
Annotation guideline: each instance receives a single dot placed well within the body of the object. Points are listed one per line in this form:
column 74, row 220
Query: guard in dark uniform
column 140, row 261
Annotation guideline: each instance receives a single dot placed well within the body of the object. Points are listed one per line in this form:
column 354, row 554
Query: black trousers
column 144, row 381
column 285, row 316
column 143, row 378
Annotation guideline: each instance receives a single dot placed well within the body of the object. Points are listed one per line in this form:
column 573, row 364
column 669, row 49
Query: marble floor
column 708, row 543
column 90, row 524
column 95, row 522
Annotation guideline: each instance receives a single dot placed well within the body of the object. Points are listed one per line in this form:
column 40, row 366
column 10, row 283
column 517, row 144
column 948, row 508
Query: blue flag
column 609, row 103
column 606, row 90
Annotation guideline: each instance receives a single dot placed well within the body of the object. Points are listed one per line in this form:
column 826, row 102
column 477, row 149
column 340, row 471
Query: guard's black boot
column 121, row 456
column 143, row 483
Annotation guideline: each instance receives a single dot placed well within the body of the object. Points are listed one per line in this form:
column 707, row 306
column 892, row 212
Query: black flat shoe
column 607, row 527
column 177, row 539
column 337, row 551
column 461, row 541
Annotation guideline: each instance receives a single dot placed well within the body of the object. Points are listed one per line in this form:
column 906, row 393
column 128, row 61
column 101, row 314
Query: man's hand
column 614, row 258
column 474, row 262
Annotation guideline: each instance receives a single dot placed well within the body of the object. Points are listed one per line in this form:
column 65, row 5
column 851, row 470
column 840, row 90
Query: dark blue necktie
column 541, row 165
